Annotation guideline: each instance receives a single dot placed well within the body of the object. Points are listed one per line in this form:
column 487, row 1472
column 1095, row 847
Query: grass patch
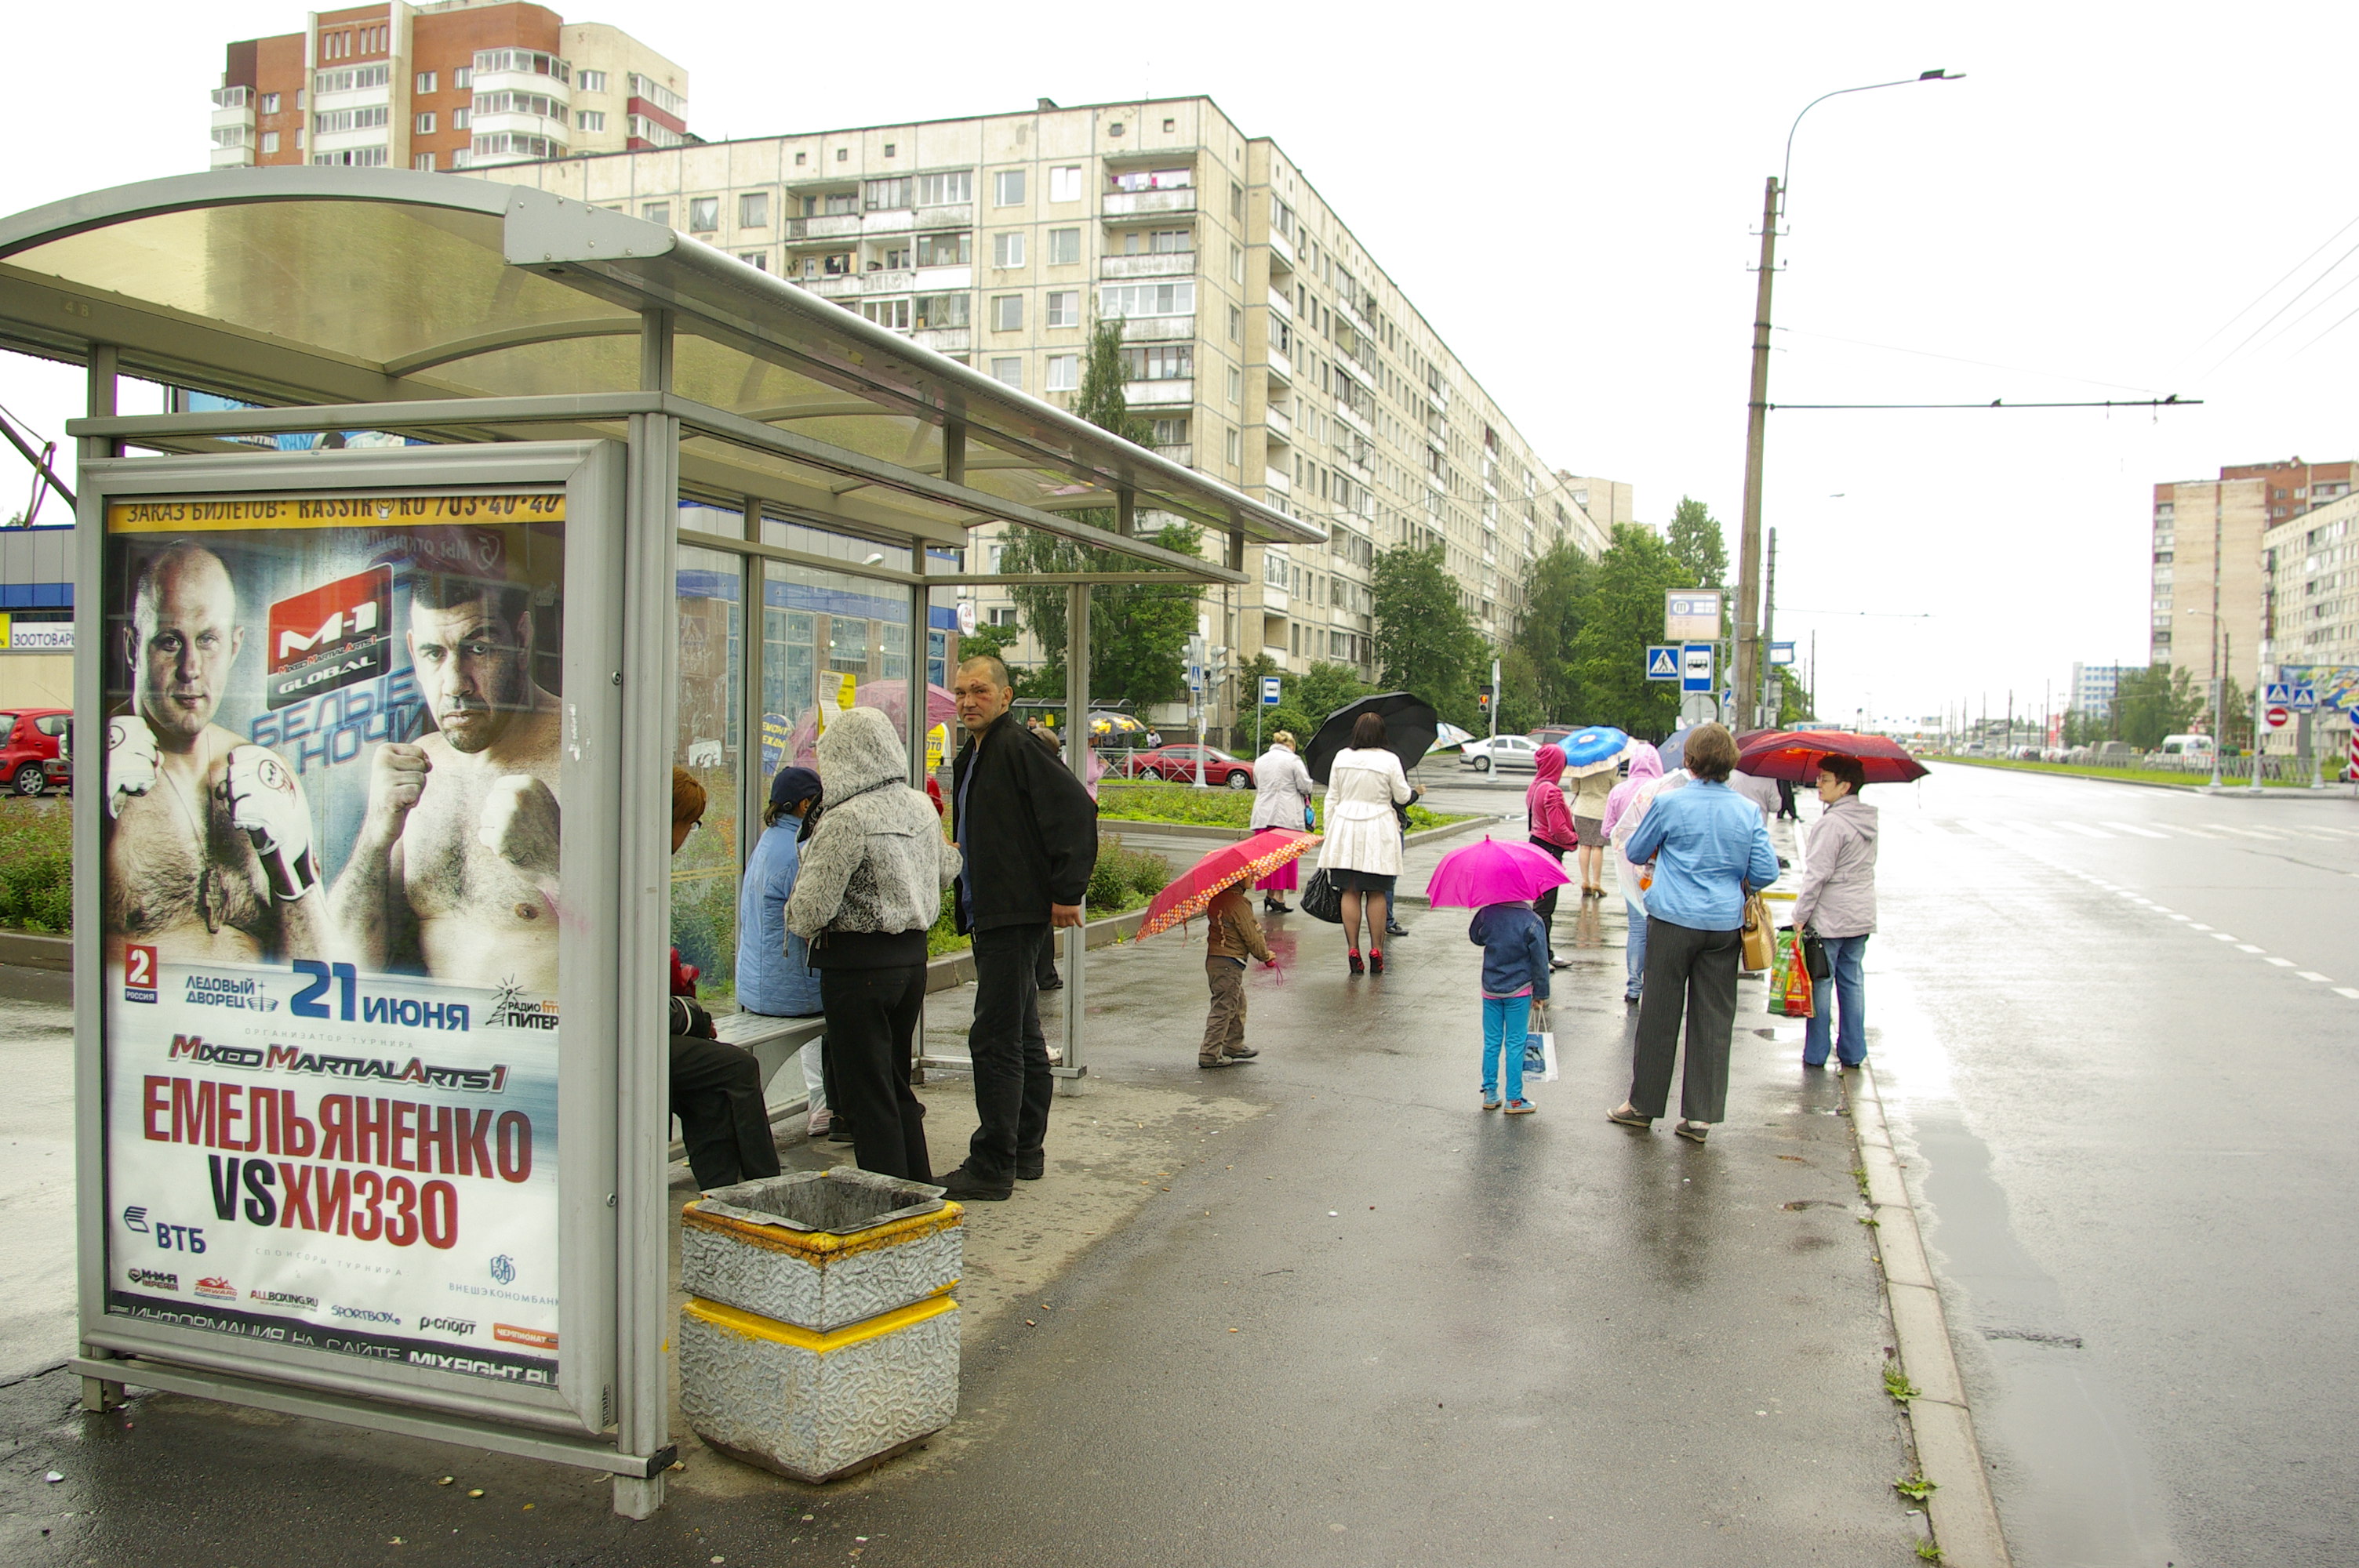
column 1914, row 1487
column 1123, row 880
column 2229, row 774
column 1897, row 1384
column 36, row 866
column 1211, row 808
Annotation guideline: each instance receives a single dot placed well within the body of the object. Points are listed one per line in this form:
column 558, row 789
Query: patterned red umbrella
column 1795, row 754
column 1245, row 861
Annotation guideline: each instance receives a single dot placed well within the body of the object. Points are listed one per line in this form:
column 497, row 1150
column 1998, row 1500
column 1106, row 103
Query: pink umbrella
column 891, row 696
column 1492, row 871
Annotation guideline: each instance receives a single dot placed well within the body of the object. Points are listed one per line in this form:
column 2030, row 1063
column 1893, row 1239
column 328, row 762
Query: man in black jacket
column 1029, row 833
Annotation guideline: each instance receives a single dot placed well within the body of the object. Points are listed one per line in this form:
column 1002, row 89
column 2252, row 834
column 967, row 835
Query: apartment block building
column 1265, row 344
column 2209, row 580
column 2311, row 562
column 452, row 85
column 2094, row 687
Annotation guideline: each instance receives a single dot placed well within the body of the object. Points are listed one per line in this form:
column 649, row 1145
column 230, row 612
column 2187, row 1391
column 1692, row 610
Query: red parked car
column 1177, row 765
column 28, row 744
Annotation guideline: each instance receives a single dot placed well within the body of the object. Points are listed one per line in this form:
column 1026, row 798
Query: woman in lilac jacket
column 1549, row 823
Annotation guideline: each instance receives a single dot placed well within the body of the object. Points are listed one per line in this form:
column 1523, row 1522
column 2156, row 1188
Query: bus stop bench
column 776, row 1042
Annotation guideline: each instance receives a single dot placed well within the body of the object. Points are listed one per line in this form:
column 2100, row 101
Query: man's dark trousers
column 1012, row 1085
column 1692, row 972
column 716, row 1092
column 872, row 1021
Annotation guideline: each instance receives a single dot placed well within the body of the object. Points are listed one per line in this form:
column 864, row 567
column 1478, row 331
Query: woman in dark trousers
column 871, row 881
column 1708, row 844
column 715, row 1087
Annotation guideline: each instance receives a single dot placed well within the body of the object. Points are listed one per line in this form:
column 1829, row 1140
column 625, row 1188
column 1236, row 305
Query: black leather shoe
column 1394, row 928
column 964, row 1184
column 1053, row 983
column 1271, row 906
column 839, row 1130
column 1031, row 1167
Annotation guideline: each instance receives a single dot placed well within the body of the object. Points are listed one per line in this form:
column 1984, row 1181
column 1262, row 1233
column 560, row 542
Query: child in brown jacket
column 1231, row 933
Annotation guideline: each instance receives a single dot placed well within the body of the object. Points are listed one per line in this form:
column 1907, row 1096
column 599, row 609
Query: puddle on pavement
column 2072, row 1484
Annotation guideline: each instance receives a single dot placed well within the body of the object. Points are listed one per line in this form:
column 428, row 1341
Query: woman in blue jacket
column 774, row 973
column 1707, row 845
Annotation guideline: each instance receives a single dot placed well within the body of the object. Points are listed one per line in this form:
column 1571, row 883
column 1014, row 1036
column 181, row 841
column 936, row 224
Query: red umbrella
column 1795, row 754
column 1245, row 861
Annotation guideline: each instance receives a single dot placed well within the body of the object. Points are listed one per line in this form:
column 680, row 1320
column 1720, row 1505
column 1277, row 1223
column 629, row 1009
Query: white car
column 1504, row 754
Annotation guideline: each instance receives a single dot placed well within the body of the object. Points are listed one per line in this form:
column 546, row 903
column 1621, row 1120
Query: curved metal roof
column 310, row 286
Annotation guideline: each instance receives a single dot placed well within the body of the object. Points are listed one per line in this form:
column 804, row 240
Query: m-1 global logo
column 138, row 973
column 365, row 1315
column 459, row 1326
column 216, row 1287
column 331, row 637
column 155, row 1280
column 285, row 1299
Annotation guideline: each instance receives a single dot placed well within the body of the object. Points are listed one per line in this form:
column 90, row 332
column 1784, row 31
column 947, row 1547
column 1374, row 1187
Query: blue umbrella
column 1674, row 750
column 1598, row 744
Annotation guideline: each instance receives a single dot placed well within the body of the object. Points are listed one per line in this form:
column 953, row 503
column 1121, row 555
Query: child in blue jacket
column 1515, row 984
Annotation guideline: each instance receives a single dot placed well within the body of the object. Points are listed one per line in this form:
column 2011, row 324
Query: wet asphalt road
column 2115, row 1027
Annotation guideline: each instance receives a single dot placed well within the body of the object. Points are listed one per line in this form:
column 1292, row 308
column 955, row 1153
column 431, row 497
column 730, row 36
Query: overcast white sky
column 1568, row 194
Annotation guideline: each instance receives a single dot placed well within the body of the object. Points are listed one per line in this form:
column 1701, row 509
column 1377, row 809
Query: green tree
column 987, row 641
column 1538, row 668
column 2156, row 702
column 1626, row 614
column 1695, row 542
column 1304, row 700
column 1424, row 644
column 1138, row 632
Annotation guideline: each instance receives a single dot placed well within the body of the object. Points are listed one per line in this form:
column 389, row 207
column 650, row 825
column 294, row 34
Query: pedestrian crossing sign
column 1662, row 661
column 2279, row 695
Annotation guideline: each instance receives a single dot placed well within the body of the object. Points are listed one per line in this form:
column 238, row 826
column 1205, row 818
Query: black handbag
column 1815, row 959
column 1321, row 901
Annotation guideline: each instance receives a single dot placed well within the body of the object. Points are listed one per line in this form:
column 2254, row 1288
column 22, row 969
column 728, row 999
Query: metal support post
column 1746, row 683
column 753, row 784
column 105, row 359
column 1070, row 1072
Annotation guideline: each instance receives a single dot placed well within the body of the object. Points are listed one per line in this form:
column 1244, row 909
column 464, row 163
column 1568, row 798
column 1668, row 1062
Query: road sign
column 1781, row 653
column 1691, row 613
column 1695, row 667
column 1662, row 661
column 2305, row 700
column 2277, row 718
column 1269, row 691
column 2278, row 691
column 966, row 617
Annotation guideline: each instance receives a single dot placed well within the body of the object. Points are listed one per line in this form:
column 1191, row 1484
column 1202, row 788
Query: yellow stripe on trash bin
column 752, row 1325
column 822, row 1246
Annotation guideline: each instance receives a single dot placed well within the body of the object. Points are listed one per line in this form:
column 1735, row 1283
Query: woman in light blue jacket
column 774, row 973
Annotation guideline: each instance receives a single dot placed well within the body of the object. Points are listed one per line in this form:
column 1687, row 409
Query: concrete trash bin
column 820, row 1337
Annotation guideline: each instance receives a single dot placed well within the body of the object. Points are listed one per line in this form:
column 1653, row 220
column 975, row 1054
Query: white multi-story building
column 1264, row 343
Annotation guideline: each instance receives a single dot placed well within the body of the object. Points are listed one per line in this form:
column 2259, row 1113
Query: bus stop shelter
column 697, row 498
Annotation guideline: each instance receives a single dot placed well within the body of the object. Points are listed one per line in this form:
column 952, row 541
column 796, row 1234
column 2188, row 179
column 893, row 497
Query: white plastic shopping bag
column 1539, row 1056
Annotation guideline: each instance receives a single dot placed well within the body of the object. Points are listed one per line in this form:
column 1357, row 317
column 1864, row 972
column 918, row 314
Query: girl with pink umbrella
column 1498, row 881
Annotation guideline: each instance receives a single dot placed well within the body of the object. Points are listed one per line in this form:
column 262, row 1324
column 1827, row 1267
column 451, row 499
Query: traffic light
column 1482, row 695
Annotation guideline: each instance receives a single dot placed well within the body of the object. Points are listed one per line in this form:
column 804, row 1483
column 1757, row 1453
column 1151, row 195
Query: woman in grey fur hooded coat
column 871, row 882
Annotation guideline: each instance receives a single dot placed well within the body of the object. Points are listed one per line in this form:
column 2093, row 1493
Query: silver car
column 1505, row 754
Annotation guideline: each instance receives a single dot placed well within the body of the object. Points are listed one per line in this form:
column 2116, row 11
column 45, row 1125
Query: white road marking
column 2280, row 963
column 2199, row 927
column 2314, row 975
column 2248, row 947
column 2083, row 829
column 2346, row 990
column 2222, row 936
column 2183, row 917
column 2134, row 829
column 2248, row 832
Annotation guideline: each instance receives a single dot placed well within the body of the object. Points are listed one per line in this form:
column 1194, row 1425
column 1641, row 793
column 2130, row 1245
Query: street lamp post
column 1747, row 681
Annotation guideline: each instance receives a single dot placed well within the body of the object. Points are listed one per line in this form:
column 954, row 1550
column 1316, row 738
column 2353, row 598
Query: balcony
column 1281, row 425
column 1156, row 328
column 1281, row 250
column 945, row 340
column 1274, row 600
column 524, row 81
column 1278, row 481
column 1351, row 417
column 889, row 222
column 954, row 215
column 232, row 154
column 844, row 288
column 1281, row 303
column 830, row 226
column 1123, row 204
column 1182, row 452
column 1281, row 369
column 1169, row 264
column 1160, row 394
column 939, row 279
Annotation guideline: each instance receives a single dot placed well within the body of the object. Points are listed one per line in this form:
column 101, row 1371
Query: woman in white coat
column 1362, row 852
column 1282, row 799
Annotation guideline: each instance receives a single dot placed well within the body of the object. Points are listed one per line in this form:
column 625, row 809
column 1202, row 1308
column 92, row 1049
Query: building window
column 1234, row 447
column 893, row 315
column 459, row 118
column 1236, row 325
column 1064, row 247
column 423, row 83
column 1064, row 372
column 801, row 159
column 1007, row 250
column 1171, row 432
column 1153, row 179
column 1236, row 200
column 423, row 161
column 1065, row 183
column 1007, row 313
column 703, row 214
column 590, row 119
column 939, row 311
column 1158, row 362
column 1009, row 369
column 1007, row 188
column 1147, row 300
column 1003, row 614
column 1236, row 264
column 656, row 212
column 944, row 250
column 270, row 103
column 590, row 80
column 335, row 122
column 1064, row 307
column 754, row 209
column 1237, row 385
column 424, row 124
column 946, row 188
column 886, row 195
column 842, row 204
column 842, row 154
column 758, row 260
column 1170, row 125
column 462, row 79
column 888, row 150
column 269, row 141
column 895, row 259
column 1115, row 129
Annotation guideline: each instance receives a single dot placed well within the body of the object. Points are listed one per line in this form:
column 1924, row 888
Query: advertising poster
column 332, row 897
column 2337, row 684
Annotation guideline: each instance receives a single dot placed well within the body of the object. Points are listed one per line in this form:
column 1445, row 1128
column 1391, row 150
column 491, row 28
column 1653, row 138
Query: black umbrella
column 1410, row 726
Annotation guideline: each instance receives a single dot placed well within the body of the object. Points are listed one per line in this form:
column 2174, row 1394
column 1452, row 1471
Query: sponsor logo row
column 215, row 1287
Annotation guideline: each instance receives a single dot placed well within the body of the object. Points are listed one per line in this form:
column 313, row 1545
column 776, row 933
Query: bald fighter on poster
column 208, row 838
column 455, row 868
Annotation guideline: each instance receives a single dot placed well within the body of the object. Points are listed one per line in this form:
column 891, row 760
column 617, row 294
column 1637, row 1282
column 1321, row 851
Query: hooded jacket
column 1838, row 892
column 1646, row 765
column 873, row 872
column 1231, row 931
column 1029, row 828
column 1545, row 813
column 1515, row 949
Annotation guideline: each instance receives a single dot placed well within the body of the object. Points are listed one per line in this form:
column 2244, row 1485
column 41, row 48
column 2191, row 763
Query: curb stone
column 1964, row 1515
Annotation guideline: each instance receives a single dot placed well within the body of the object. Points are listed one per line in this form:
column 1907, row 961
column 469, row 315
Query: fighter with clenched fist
column 208, row 838
column 455, row 868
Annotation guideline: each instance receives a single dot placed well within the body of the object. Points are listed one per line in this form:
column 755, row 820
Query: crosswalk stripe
column 2083, row 829
column 2249, row 832
column 2132, row 828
